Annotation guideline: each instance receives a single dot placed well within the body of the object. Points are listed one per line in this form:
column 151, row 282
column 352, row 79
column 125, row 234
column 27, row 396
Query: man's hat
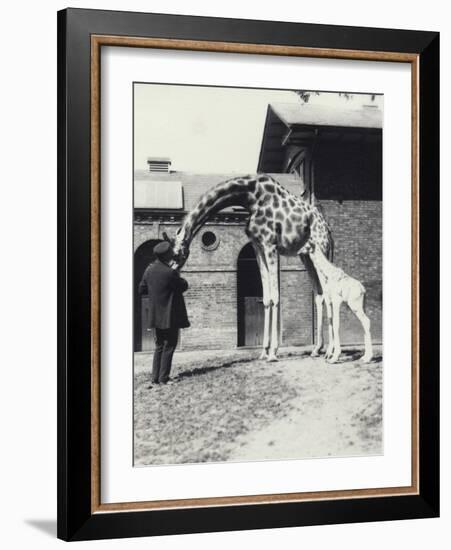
column 161, row 249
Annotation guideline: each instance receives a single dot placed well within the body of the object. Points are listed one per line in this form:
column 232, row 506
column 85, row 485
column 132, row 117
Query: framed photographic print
column 248, row 274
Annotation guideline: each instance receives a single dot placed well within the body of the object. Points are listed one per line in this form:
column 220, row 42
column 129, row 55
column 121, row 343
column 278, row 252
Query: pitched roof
column 309, row 114
column 286, row 122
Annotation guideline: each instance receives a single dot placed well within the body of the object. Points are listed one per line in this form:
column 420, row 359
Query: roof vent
column 159, row 164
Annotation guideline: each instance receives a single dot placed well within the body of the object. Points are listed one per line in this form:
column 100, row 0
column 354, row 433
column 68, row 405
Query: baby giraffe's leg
column 357, row 308
column 319, row 299
column 330, row 344
column 336, row 303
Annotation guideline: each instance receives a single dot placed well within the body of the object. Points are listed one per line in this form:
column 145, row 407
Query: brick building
column 335, row 156
column 224, row 297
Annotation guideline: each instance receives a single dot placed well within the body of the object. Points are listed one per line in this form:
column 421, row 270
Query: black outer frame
column 75, row 520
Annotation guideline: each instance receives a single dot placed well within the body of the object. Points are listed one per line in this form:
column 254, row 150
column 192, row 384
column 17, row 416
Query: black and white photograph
column 224, row 274
column 257, row 262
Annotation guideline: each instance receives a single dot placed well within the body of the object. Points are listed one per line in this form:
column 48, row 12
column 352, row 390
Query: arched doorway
column 250, row 299
column 143, row 339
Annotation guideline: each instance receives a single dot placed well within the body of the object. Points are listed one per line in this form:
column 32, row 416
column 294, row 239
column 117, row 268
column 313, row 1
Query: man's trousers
column 165, row 344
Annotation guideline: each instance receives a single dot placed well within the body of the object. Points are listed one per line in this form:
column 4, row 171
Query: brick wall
column 211, row 301
column 212, row 298
column 357, row 232
column 295, row 306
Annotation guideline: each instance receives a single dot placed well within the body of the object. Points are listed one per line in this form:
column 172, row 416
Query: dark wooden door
column 144, row 256
column 147, row 337
column 254, row 314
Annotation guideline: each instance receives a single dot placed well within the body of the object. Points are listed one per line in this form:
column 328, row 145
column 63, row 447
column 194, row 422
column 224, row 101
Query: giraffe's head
column 308, row 248
column 180, row 247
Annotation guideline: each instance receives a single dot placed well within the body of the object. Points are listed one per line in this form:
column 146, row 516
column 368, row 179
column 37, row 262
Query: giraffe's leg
column 319, row 299
column 266, row 298
column 266, row 330
column 336, row 303
column 357, row 307
column 272, row 260
column 330, row 344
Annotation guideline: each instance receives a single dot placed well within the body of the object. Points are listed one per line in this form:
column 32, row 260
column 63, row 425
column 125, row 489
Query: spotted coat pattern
column 279, row 221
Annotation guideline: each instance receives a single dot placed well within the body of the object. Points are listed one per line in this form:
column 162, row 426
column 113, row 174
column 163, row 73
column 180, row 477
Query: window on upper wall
column 166, row 195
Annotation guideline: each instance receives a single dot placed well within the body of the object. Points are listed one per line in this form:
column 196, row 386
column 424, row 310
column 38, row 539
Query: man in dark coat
column 167, row 311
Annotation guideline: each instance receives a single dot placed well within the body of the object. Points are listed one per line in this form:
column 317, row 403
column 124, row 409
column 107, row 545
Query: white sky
column 205, row 129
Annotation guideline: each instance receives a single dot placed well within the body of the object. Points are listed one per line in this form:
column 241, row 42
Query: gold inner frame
column 97, row 41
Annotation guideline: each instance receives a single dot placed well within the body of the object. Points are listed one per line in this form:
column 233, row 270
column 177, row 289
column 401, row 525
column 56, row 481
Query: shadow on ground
column 231, row 405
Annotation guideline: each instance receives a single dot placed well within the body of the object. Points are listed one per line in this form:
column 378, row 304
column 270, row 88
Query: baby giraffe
column 339, row 287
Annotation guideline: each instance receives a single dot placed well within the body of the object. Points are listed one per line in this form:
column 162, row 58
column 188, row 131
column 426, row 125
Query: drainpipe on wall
column 312, row 198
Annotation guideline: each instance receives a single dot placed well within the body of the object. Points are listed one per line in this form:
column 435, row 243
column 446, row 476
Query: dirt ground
column 230, row 406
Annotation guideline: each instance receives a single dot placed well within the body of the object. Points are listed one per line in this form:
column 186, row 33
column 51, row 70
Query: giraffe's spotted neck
column 277, row 218
column 234, row 192
column 323, row 265
column 320, row 261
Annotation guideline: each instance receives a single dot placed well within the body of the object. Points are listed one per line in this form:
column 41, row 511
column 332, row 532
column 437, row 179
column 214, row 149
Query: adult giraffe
column 279, row 223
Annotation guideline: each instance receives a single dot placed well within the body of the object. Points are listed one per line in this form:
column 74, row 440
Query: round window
column 209, row 240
